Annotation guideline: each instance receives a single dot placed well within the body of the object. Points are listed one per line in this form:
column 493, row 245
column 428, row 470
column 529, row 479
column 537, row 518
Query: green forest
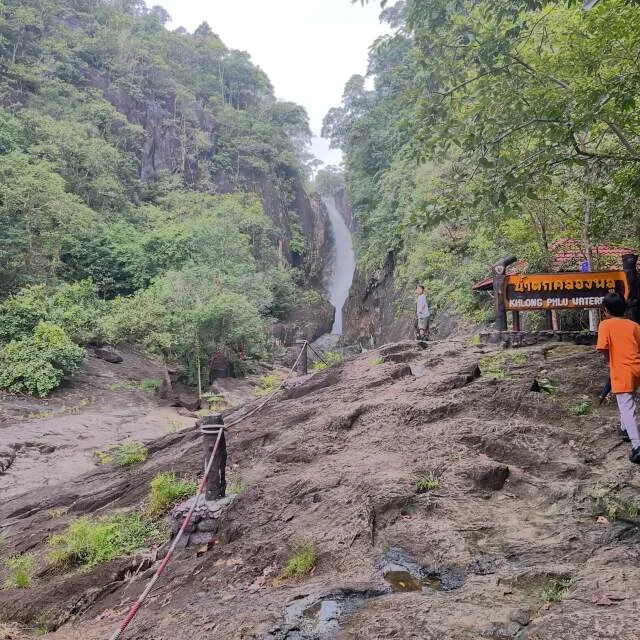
column 135, row 164
column 487, row 128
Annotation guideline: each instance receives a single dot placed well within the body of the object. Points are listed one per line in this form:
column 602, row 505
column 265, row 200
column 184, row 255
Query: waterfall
column 343, row 263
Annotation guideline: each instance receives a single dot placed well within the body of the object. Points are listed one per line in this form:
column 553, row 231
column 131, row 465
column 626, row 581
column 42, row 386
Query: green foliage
column 377, row 361
column 150, row 384
column 429, row 481
column 302, row 560
column 582, row 409
column 616, row 509
column 19, row 569
column 110, row 239
column 267, row 384
column 37, row 364
column 87, row 543
column 166, row 490
column 546, row 386
column 330, row 181
column 556, row 590
column 126, row 454
column 509, row 142
column 236, row 485
column 329, row 358
column 494, row 366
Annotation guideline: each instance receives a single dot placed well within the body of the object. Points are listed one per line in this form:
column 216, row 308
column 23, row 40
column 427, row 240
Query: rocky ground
column 528, row 528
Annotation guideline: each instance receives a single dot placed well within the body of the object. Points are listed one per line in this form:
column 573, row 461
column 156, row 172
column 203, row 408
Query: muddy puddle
column 403, row 574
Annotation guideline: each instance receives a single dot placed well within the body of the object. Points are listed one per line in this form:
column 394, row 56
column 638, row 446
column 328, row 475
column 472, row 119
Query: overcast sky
column 308, row 48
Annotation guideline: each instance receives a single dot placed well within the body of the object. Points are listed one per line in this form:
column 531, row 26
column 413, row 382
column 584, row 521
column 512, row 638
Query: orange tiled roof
column 567, row 255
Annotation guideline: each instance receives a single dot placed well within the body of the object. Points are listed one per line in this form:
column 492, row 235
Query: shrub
column 37, row 365
column 87, row 543
column 166, row 490
column 302, row 561
column 20, row 570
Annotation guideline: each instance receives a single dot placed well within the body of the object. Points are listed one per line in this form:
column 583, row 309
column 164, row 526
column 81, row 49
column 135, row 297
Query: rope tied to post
column 117, row 634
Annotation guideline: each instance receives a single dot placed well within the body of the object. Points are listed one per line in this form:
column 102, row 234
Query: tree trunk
column 199, row 368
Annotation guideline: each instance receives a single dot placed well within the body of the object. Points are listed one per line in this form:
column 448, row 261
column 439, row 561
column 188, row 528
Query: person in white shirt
column 423, row 313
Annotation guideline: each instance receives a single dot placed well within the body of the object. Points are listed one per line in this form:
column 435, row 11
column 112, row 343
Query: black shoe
column 634, row 456
column 623, row 434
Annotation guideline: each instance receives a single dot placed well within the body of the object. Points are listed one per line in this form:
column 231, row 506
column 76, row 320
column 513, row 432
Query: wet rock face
column 205, row 521
column 319, row 617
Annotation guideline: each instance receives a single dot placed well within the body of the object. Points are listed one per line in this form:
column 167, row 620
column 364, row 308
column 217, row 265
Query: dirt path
column 530, row 531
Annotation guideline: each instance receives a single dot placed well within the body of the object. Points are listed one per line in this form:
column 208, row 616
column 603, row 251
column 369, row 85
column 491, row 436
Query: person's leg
column 627, row 406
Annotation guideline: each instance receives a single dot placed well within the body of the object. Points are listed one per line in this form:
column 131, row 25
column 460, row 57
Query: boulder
column 108, row 355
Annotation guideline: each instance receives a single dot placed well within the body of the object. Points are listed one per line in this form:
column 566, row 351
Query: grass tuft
column 302, row 561
column 88, row 543
column 150, row 384
column 20, row 569
column 126, row 454
column 494, row 366
column 167, row 490
column 377, row 361
column 556, row 590
column 582, row 409
column 330, row 358
column 429, row 481
column 236, row 485
column 267, row 384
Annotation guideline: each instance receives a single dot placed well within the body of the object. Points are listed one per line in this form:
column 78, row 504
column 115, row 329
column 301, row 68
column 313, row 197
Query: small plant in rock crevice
column 302, row 560
column 615, row 509
column 556, row 590
column 166, row 490
column 429, row 481
column 20, row 569
column 377, row 361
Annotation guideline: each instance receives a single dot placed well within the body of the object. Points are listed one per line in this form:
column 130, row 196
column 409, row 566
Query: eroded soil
column 529, row 553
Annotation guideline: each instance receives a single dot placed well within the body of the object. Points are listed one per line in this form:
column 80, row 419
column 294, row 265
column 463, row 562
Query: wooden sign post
column 550, row 292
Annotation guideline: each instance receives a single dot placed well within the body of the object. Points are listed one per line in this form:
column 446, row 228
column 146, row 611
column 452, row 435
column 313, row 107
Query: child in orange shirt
column 619, row 341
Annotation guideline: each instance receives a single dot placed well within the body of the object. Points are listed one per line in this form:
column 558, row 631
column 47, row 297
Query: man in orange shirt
column 619, row 341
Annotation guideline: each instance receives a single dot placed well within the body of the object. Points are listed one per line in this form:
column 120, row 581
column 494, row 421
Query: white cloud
column 308, row 48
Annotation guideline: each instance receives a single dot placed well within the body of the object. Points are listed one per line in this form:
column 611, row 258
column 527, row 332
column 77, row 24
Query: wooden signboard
column 548, row 291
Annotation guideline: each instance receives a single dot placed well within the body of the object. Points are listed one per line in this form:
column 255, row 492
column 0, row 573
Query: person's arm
column 603, row 341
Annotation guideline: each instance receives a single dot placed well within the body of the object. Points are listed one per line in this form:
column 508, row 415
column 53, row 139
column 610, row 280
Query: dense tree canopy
column 493, row 127
column 135, row 164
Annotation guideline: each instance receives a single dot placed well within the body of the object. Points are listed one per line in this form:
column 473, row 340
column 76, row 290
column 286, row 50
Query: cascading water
column 343, row 263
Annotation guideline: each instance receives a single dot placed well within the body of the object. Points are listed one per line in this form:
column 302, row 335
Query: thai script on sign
column 561, row 290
